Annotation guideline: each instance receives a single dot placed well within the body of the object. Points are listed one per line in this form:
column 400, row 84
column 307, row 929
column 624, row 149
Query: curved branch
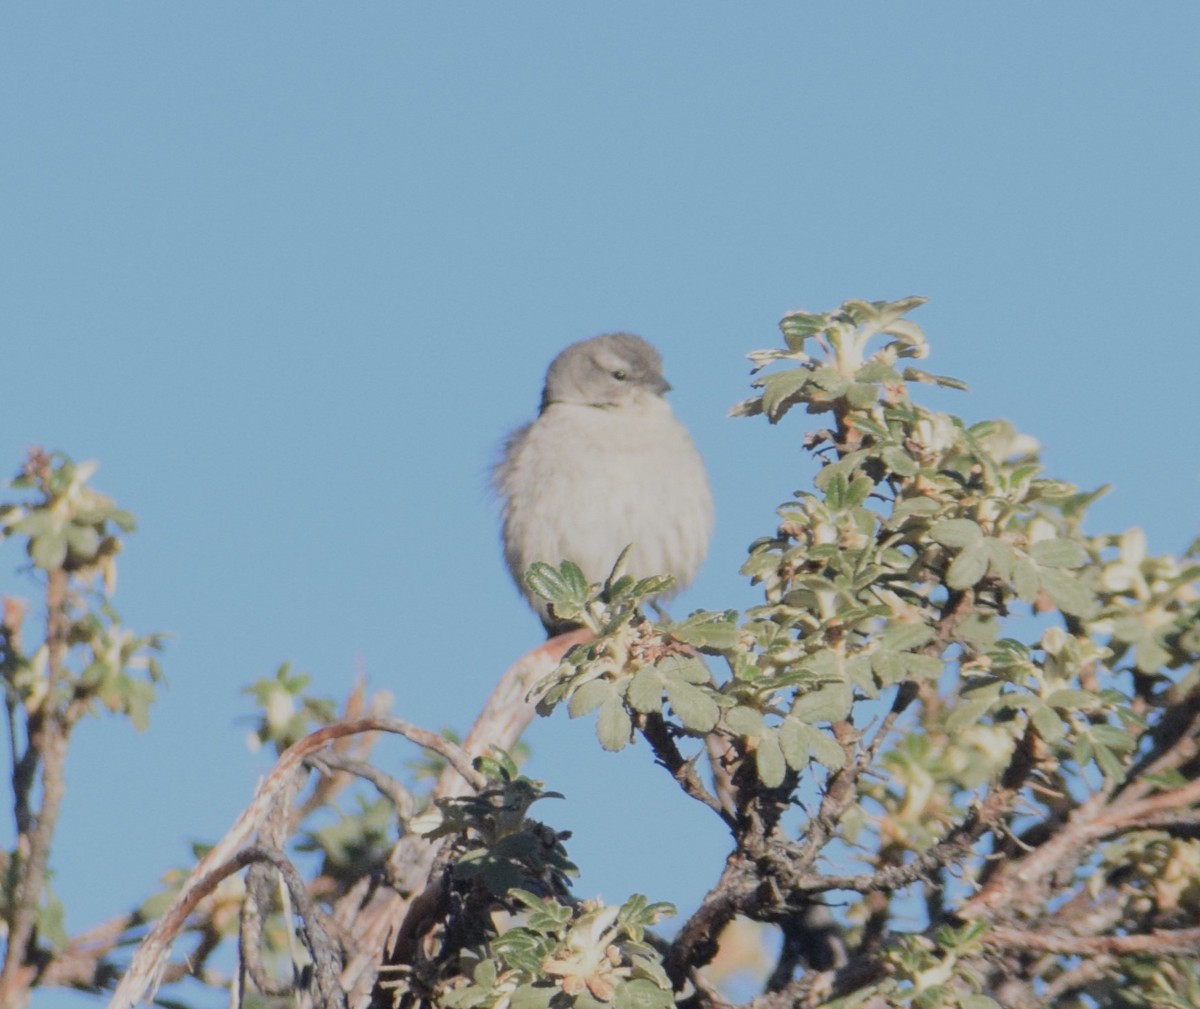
column 145, row 971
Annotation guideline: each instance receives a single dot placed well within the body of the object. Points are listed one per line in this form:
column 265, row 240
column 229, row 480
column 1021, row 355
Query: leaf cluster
column 944, row 663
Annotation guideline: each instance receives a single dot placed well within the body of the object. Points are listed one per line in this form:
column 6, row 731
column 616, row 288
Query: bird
column 604, row 466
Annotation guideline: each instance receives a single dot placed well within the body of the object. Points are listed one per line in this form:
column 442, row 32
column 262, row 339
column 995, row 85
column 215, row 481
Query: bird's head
column 606, row 371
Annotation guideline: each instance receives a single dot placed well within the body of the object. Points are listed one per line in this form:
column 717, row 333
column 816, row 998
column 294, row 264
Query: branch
column 1159, row 942
column 146, row 969
column 385, row 784
column 310, row 924
column 696, row 942
column 458, row 758
column 655, row 731
column 47, row 740
column 956, row 845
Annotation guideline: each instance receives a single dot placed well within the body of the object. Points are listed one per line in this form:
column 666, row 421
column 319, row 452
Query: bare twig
column 1084, row 973
column 1159, row 942
column 656, row 733
column 384, row 783
column 310, row 923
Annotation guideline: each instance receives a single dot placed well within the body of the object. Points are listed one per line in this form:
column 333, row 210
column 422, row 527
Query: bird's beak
column 661, row 386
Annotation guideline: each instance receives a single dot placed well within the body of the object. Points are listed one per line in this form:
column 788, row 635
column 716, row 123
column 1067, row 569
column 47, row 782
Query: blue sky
column 290, row 271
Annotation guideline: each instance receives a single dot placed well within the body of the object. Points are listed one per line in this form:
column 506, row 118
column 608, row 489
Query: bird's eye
column 620, row 375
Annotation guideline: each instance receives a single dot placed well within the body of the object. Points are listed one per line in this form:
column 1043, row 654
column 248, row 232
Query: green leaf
column 712, row 631
column 955, row 532
column 876, row 370
column 641, row 993
column 37, row 522
column 693, row 706
column 586, row 1000
column 1110, row 764
column 861, row 395
column 84, row 541
column 800, row 326
column 687, row 668
column 1071, row 700
column 745, row 721
column 1149, row 655
column 968, row 713
column 645, row 690
column 899, row 462
column 968, row 567
column 793, row 740
column 461, row 998
column 530, row 996
column 590, row 696
column 1058, row 553
column 858, row 490
column 768, row 760
column 830, row 381
column 1067, row 592
column 945, row 381
column 904, row 636
column 826, row 750
column 485, row 973
column 891, row 667
column 49, row 550
column 781, row 389
column 564, row 586
column 1001, row 557
column 1026, row 580
column 1113, row 738
column 1049, row 726
column 827, row 704
column 613, row 726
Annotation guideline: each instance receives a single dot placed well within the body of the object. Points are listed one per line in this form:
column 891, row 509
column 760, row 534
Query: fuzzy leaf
column 645, row 690
column 693, row 706
column 793, row 740
column 899, row 462
column 1071, row 700
column 905, row 636
column 769, row 762
column 686, row 668
column 589, row 697
column 1049, row 726
column 613, row 726
column 827, row 704
column 1058, row 553
column 641, row 993
column 1025, row 579
column 968, row 713
column 968, row 567
column 712, row 631
column 561, row 585
column 744, row 721
column 956, row 532
column 529, row 996
column 780, row 390
column 826, row 750
column 49, row 550
column 1067, row 592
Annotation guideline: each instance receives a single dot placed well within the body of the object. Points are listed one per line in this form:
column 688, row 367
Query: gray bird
column 604, row 466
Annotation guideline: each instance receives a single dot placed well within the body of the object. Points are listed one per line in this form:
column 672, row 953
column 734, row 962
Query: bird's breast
column 593, row 481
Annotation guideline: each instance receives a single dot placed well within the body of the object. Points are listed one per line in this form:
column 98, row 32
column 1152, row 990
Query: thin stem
column 47, row 741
